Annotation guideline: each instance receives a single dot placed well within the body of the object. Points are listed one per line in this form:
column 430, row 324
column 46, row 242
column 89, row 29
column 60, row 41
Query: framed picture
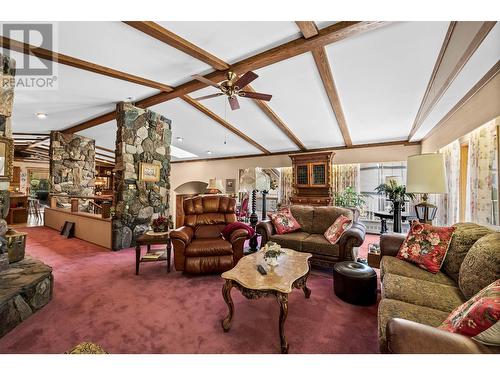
column 149, row 172
column 230, row 185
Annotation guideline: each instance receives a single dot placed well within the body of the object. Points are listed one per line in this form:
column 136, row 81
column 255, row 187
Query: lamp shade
column 247, row 179
column 214, row 186
column 426, row 174
column 263, row 181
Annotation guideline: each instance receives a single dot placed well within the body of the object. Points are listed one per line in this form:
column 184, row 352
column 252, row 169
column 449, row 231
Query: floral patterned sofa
column 415, row 301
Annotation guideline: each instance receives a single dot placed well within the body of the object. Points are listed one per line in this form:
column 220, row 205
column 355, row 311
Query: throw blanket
column 231, row 227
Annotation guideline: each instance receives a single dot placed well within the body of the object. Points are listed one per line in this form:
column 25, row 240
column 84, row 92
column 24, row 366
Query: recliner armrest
column 237, row 234
column 266, row 229
column 390, row 243
column 407, row 337
column 185, row 234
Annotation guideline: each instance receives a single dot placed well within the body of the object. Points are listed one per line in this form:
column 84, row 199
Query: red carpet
column 98, row 298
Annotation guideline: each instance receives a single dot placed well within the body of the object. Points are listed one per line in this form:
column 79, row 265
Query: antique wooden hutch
column 312, row 178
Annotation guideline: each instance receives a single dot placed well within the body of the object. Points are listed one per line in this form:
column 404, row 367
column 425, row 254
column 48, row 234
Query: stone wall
column 72, row 165
column 142, row 136
column 7, row 73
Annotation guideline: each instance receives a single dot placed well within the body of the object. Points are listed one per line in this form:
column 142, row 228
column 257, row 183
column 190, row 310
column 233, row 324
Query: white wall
column 228, row 168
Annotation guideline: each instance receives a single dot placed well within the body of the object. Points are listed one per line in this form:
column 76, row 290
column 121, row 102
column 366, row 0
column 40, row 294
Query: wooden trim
column 33, row 134
column 223, row 122
column 473, row 91
column 160, row 33
column 307, row 28
column 325, row 71
column 328, row 35
column 36, row 144
column 80, row 64
column 464, row 162
column 277, row 120
column 309, row 151
column 472, row 47
column 105, row 149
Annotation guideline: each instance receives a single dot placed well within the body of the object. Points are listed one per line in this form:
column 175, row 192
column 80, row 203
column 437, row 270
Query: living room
column 206, row 185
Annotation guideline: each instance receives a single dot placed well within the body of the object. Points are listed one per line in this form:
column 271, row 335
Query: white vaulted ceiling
column 381, row 77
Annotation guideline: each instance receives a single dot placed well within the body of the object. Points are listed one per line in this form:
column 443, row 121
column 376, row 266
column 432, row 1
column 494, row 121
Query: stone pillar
column 142, row 136
column 7, row 73
column 72, row 166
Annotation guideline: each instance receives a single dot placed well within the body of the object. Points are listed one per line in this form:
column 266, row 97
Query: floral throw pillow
column 339, row 226
column 426, row 246
column 479, row 317
column 284, row 222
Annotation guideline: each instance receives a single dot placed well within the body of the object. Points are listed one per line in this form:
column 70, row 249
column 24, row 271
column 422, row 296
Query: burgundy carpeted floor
column 98, row 298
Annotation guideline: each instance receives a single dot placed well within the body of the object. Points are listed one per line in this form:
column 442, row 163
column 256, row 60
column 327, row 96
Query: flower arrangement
column 272, row 252
column 160, row 224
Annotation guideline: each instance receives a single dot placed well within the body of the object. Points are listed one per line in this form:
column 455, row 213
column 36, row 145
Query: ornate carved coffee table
column 291, row 272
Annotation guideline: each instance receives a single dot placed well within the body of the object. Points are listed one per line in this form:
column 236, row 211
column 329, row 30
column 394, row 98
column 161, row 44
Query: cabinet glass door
column 302, row 175
column 318, row 174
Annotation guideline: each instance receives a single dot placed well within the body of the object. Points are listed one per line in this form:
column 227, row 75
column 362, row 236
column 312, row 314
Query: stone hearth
column 25, row 287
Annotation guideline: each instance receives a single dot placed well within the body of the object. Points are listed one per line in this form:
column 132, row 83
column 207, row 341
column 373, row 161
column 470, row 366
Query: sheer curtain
column 480, row 174
column 344, row 176
column 448, row 204
column 285, row 185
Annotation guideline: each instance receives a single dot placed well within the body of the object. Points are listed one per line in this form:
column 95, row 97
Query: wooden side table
column 150, row 238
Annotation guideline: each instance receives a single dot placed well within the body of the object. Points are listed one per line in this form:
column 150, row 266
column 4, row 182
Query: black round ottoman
column 355, row 283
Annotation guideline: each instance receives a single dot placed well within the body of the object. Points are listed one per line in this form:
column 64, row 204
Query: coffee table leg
column 307, row 291
column 137, row 258
column 226, row 293
column 282, row 299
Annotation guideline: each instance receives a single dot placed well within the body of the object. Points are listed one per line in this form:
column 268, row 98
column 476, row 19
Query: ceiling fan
column 233, row 87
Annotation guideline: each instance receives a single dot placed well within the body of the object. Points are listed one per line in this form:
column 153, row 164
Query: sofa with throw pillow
column 417, row 301
column 310, row 236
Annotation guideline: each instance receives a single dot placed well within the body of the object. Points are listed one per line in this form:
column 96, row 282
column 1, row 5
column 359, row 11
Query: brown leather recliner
column 198, row 245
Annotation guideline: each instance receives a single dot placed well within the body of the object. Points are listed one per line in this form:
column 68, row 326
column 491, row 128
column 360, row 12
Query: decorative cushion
column 339, row 226
column 481, row 265
column 426, row 246
column 231, row 227
column 479, row 317
column 464, row 237
column 284, row 222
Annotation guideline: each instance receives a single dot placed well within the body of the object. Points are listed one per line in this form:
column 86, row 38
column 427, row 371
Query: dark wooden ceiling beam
column 427, row 105
column 160, row 33
column 325, row 71
column 307, row 28
column 328, row 35
column 80, row 64
column 365, row 145
column 223, row 122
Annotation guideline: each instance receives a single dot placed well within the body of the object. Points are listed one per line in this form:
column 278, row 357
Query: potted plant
column 272, row 251
column 160, row 224
column 350, row 198
column 398, row 196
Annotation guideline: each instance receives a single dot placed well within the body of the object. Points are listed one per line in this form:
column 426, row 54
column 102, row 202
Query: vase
column 271, row 262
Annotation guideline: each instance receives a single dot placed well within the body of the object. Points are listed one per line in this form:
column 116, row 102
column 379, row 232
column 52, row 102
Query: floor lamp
column 426, row 174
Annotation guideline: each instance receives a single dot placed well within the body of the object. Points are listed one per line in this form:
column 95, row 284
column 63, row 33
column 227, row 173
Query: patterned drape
column 480, row 174
column 448, row 204
column 286, row 186
column 344, row 176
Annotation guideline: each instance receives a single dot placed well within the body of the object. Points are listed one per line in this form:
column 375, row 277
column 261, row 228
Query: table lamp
column 214, row 186
column 426, row 174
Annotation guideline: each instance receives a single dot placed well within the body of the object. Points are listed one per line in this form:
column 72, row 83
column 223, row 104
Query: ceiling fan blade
column 205, row 80
column 245, row 79
column 255, row 95
column 233, row 102
column 209, row 96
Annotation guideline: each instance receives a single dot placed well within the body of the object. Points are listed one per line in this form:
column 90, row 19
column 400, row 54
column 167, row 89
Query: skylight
column 180, row 153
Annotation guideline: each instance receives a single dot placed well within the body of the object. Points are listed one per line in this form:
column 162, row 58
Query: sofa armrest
column 266, row 229
column 390, row 244
column 353, row 237
column 185, row 234
column 238, row 234
column 407, row 337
